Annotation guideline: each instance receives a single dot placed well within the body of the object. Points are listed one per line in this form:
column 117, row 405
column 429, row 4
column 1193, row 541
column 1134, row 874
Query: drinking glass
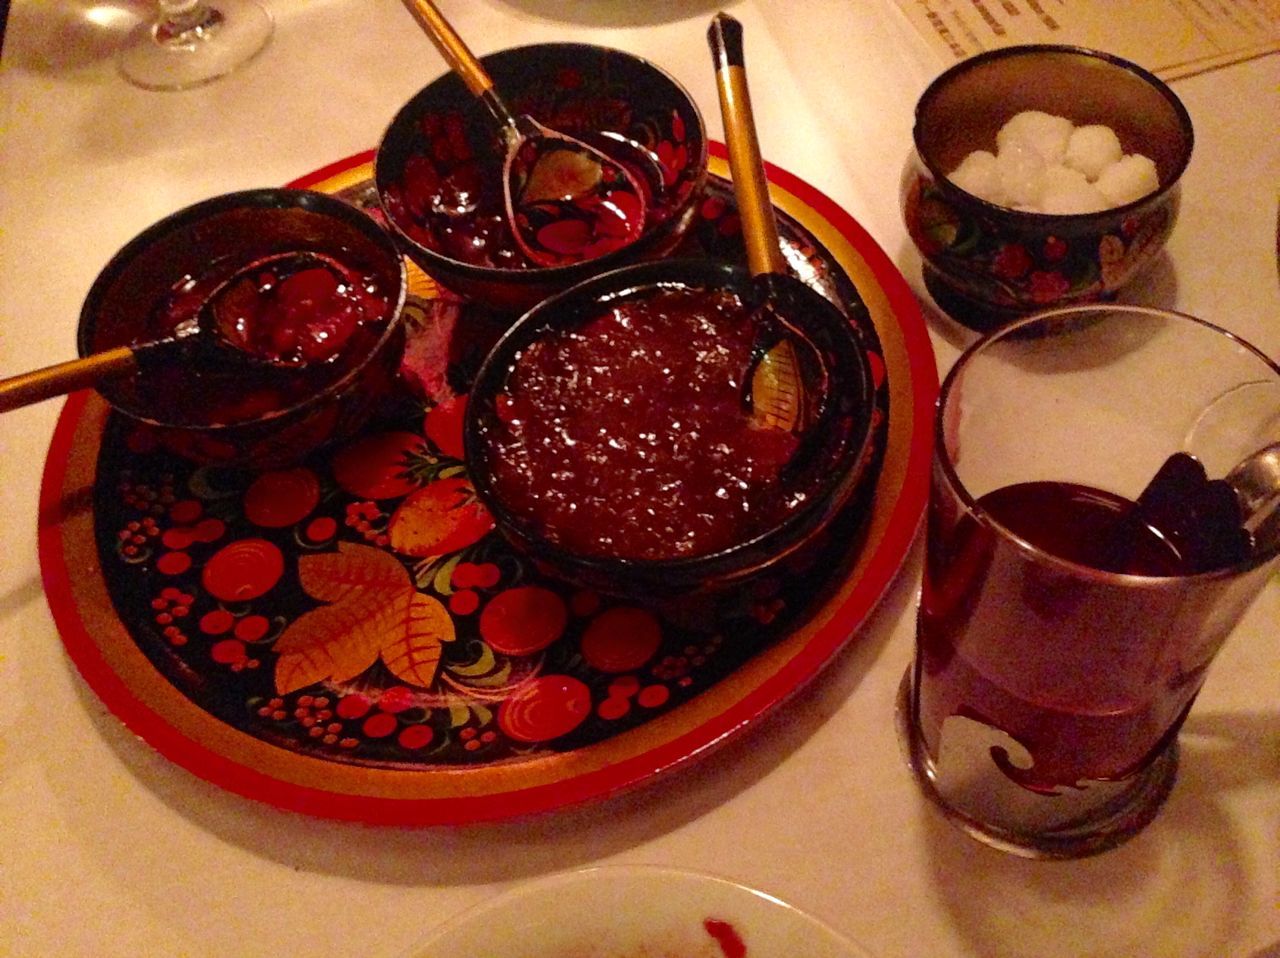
column 1061, row 640
column 193, row 42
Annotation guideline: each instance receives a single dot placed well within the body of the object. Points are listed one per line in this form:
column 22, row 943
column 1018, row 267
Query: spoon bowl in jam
column 291, row 310
column 291, row 304
column 606, row 434
column 786, row 379
column 439, row 170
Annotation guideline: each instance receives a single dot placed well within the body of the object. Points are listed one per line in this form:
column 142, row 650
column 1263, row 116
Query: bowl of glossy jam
column 318, row 289
column 606, row 432
column 439, row 166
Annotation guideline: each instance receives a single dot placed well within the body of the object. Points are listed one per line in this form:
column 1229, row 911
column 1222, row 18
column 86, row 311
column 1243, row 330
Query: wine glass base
column 227, row 35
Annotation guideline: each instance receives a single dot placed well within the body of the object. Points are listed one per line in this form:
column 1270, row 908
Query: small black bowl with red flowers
column 312, row 292
column 1043, row 176
column 439, row 168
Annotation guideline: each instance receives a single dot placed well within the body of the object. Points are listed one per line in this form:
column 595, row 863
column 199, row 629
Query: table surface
column 109, row 849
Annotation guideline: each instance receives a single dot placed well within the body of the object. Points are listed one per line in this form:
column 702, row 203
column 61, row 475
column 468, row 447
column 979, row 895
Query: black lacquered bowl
column 986, row 264
column 240, row 228
column 839, row 465
column 586, row 91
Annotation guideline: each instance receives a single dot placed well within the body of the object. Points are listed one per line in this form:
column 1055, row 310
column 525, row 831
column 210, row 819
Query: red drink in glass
column 1064, row 630
column 1078, row 670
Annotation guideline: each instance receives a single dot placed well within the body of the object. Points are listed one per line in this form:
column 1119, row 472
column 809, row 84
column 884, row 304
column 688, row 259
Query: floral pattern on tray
column 360, row 608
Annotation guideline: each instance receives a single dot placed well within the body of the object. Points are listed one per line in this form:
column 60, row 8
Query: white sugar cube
column 1091, row 149
column 1062, row 177
column 977, row 174
column 1021, row 170
column 1129, row 178
column 1044, row 163
column 1069, row 191
column 1043, row 132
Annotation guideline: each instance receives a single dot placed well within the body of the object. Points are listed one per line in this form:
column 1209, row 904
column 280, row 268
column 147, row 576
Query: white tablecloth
column 111, row 850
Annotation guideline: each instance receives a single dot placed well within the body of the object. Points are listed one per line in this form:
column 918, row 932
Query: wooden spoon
column 786, row 383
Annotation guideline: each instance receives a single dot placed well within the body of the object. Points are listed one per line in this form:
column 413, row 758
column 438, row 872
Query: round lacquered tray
column 348, row 638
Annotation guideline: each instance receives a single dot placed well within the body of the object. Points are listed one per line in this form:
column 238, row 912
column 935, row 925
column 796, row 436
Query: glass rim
column 942, row 460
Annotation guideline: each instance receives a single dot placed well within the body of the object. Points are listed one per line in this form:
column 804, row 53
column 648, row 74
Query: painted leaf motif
column 334, row 641
column 414, row 653
column 375, row 610
column 332, row 576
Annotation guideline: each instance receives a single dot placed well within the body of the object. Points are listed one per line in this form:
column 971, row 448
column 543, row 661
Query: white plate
column 634, row 912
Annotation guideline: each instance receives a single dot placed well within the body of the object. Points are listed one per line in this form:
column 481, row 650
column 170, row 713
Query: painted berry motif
column 523, row 620
column 443, row 425
column 276, row 500
column 546, row 708
column 378, row 466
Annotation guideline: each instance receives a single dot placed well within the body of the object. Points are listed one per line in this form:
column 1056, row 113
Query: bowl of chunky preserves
column 608, row 434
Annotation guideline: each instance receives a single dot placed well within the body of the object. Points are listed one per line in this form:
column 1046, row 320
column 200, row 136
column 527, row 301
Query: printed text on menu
column 1173, row 38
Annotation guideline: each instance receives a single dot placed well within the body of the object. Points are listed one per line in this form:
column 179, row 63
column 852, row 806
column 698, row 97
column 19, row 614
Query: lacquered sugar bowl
column 216, row 405
column 1072, row 200
column 443, row 143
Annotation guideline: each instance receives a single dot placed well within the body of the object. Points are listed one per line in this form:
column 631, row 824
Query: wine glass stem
column 185, row 21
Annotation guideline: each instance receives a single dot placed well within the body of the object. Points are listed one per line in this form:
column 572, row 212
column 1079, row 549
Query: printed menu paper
column 1171, row 38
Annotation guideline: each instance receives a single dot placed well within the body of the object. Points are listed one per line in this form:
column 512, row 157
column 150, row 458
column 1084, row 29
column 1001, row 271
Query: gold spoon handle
column 759, row 227
column 39, row 384
column 451, row 46
column 460, row 58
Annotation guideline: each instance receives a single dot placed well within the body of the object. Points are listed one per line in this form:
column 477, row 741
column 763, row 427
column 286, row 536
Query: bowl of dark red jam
column 439, row 166
column 331, row 296
column 605, row 432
